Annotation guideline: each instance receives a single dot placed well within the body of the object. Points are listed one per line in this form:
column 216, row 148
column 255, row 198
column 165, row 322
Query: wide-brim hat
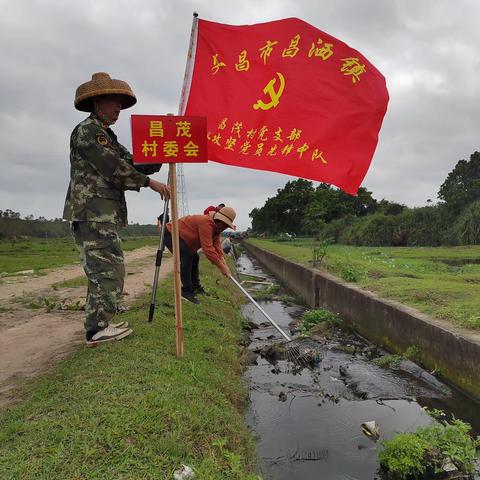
column 226, row 215
column 102, row 84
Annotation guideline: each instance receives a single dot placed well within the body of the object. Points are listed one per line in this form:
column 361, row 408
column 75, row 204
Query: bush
column 373, row 230
column 424, row 226
column 421, row 454
column 404, row 456
column 412, row 227
column 336, row 227
column 466, row 230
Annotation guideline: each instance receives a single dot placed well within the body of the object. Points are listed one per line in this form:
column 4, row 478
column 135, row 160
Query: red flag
column 286, row 97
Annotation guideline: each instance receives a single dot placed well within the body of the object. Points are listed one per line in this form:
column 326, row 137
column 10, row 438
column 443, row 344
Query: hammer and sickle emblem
column 272, row 93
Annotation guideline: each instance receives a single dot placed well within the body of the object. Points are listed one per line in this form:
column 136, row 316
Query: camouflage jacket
column 101, row 169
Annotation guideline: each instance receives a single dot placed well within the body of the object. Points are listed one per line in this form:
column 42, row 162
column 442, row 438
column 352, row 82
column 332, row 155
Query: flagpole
column 173, row 195
column 187, row 78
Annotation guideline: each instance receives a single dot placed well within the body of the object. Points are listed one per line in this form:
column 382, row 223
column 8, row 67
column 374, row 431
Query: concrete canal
column 308, row 420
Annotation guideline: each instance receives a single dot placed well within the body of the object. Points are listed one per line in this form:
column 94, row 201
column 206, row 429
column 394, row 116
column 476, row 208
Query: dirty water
column 308, row 420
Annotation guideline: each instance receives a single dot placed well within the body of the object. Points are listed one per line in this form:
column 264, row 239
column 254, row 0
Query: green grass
column 443, row 282
column 38, row 254
column 132, row 410
column 72, row 283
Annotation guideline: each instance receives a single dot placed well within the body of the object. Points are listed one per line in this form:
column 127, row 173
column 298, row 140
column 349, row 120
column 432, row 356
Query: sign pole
column 174, row 199
column 176, row 260
column 144, row 133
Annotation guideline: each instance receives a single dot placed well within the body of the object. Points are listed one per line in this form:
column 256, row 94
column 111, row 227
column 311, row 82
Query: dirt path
column 32, row 340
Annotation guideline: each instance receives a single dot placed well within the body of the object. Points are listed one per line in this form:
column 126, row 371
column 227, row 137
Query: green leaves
column 412, row 455
column 316, row 317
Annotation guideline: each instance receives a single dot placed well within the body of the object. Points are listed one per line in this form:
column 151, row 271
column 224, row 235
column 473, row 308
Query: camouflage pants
column 102, row 259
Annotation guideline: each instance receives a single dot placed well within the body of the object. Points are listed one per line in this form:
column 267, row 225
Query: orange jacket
column 198, row 231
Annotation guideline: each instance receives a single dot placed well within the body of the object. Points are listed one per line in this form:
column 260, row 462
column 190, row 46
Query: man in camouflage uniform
column 101, row 170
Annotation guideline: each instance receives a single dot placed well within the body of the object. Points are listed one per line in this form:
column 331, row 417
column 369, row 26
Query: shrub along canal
column 309, row 419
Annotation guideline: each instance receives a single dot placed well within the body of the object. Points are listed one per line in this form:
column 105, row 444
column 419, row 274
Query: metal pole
column 261, row 309
column 187, row 79
column 158, row 260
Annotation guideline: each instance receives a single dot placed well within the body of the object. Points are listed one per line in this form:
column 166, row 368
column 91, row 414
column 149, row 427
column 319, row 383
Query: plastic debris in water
column 184, row 473
column 448, row 466
column 371, row 429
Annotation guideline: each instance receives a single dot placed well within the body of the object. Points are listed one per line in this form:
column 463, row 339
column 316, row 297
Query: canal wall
column 453, row 353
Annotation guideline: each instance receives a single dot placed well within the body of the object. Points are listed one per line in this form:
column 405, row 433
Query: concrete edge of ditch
column 453, row 353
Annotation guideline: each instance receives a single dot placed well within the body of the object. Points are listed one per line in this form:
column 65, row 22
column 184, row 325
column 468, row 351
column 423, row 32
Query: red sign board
column 169, row 139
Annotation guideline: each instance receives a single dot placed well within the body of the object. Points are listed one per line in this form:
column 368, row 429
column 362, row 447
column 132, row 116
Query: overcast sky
column 428, row 50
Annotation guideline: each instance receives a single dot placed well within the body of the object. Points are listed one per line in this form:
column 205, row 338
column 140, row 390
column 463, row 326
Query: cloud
column 426, row 50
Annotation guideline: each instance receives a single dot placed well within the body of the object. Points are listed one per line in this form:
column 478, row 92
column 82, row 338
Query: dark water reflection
column 309, row 421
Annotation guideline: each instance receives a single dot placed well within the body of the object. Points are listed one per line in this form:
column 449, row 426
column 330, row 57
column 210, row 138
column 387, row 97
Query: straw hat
column 226, row 215
column 102, row 84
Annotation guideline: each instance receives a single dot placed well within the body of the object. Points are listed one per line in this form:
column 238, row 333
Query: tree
column 299, row 208
column 284, row 212
column 313, row 218
column 390, row 208
column 462, row 185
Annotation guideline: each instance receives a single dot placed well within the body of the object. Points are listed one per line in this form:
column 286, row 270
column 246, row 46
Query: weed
column 267, row 293
column 388, row 361
column 350, row 273
column 404, row 456
column 49, row 303
column 289, row 299
column 319, row 250
column 315, row 317
column 73, row 283
column 239, row 248
column 234, row 462
column 412, row 353
column 73, row 307
column 423, row 452
column 393, row 360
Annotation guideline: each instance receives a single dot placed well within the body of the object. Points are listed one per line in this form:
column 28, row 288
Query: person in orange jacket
column 195, row 232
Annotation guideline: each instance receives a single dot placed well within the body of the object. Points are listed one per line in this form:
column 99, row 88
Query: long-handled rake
column 298, row 350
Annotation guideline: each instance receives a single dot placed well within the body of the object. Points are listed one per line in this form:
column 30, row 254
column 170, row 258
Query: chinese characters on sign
column 169, row 139
column 271, row 141
column 348, row 66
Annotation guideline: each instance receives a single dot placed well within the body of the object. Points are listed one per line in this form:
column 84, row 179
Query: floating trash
column 371, row 429
column 184, row 473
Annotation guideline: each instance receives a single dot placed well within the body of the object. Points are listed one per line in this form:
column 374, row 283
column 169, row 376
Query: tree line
column 300, row 208
column 13, row 226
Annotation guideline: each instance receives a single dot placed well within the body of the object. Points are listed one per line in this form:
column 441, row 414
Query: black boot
column 190, row 296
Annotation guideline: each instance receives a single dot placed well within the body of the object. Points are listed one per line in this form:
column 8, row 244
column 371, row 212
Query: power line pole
column 182, row 191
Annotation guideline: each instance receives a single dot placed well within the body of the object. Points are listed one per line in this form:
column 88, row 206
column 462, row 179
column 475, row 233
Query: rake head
column 303, row 351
